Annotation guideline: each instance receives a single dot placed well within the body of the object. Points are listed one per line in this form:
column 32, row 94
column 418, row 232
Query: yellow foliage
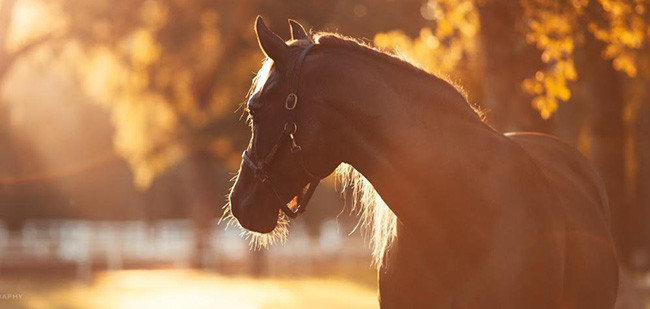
column 626, row 32
column 551, row 30
column 546, row 105
column 439, row 50
column 141, row 128
column 444, row 29
column 143, row 120
column 156, row 93
column 551, row 26
column 625, row 62
column 142, row 48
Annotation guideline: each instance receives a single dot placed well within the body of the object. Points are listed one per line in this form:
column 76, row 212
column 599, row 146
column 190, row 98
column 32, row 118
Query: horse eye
column 253, row 116
column 253, row 107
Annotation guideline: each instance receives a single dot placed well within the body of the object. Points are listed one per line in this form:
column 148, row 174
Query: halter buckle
column 291, row 102
column 294, row 146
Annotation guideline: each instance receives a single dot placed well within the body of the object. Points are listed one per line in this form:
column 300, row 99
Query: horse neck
column 411, row 136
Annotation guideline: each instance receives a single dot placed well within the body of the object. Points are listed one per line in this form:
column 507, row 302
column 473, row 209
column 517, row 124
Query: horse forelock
column 264, row 72
column 260, row 77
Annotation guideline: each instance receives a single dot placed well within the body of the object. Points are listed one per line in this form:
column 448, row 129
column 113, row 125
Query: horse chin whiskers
column 256, row 240
column 263, row 240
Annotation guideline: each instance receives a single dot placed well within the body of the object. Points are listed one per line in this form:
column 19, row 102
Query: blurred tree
column 17, row 158
column 604, row 94
column 163, row 69
column 642, row 169
column 637, row 116
column 508, row 61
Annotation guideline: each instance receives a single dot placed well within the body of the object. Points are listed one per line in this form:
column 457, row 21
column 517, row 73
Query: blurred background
column 120, row 130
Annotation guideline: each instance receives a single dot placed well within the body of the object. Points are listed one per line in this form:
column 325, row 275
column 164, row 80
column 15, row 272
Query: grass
column 186, row 289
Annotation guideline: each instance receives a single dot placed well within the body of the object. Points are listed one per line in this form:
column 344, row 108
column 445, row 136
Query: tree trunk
column 604, row 94
column 197, row 176
column 508, row 60
column 642, row 176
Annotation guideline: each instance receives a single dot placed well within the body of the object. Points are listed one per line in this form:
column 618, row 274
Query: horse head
column 283, row 162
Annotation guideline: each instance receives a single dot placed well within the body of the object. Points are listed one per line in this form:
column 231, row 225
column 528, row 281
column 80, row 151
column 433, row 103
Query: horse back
column 591, row 269
column 570, row 173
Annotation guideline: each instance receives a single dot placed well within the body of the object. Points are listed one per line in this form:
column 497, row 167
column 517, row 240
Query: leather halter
column 261, row 168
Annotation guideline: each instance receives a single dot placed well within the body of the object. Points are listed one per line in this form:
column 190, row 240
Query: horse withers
column 462, row 216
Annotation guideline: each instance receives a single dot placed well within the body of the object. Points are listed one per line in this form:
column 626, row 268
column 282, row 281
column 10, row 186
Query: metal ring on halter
column 293, row 130
column 291, row 102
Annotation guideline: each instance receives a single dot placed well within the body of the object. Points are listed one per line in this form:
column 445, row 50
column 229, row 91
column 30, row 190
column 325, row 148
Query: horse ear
column 297, row 31
column 270, row 43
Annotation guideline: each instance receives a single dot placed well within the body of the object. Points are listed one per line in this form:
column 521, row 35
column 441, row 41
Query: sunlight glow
column 193, row 289
column 32, row 19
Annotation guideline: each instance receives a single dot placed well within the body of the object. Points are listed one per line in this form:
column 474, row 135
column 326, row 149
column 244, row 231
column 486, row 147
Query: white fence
column 115, row 244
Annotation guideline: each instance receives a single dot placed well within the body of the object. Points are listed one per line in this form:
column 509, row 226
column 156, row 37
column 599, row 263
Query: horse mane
column 354, row 45
column 377, row 221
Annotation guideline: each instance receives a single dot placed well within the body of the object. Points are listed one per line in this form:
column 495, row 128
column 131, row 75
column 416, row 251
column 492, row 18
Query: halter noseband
column 261, row 168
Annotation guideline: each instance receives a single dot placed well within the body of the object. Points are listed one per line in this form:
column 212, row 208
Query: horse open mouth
column 299, row 198
column 293, row 203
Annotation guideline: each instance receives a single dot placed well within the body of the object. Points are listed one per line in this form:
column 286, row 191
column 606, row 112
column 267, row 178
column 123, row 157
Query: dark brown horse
column 477, row 219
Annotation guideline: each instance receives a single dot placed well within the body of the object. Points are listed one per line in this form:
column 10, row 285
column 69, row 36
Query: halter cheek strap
column 261, row 168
